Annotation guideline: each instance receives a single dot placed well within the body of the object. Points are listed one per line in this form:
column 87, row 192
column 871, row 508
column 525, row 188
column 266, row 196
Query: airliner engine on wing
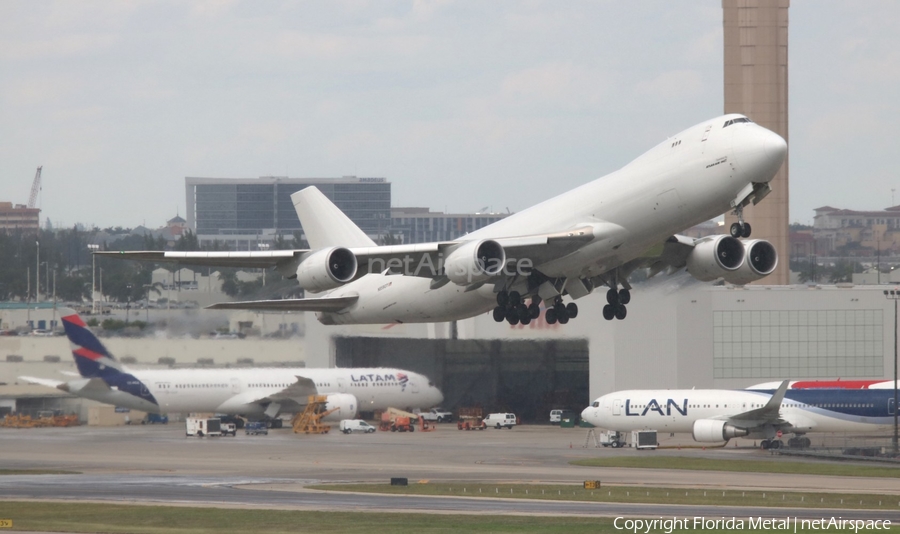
column 592, row 236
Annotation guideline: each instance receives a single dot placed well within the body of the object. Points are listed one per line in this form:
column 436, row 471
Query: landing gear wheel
column 624, row 296
column 612, row 297
column 563, row 319
column 536, row 301
column 551, row 316
column 502, row 298
column 572, row 310
column 609, row 312
column 621, row 312
column 499, row 314
column 805, row 442
column 736, row 230
column 765, row 444
column 514, row 298
column 512, row 317
column 525, row 320
column 746, row 231
column 523, row 312
column 535, row 311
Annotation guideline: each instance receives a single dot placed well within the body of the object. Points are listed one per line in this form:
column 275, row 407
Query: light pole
column 37, row 274
column 263, row 247
column 895, row 296
column 93, row 248
column 128, row 303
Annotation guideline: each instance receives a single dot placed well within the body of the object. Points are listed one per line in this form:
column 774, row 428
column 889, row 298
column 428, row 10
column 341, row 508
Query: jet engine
column 326, row 269
column 346, row 405
column 715, row 257
column 760, row 260
column 715, row 430
column 475, row 261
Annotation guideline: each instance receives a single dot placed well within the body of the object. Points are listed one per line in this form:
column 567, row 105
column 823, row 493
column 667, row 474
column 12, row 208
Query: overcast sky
column 460, row 104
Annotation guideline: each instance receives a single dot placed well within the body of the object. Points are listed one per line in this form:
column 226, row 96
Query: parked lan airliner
column 593, row 236
column 715, row 415
column 256, row 392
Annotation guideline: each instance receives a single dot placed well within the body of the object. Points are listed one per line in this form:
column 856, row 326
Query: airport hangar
column 679, row 333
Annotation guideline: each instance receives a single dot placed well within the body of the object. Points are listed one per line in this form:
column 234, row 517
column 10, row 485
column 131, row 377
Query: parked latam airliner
column 255, row 391
column 592, row 236
column 715, row 415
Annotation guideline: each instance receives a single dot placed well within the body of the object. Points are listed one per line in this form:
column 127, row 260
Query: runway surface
column 159, row 464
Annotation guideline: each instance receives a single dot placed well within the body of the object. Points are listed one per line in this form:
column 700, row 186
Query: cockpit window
column 735, row 121
column 596, row 404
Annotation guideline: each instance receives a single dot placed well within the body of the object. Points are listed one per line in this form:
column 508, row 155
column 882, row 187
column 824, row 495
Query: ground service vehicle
column 437, row 415
column 356, row 425
column 202, row 426
column 155, row 419
column 256, row 427
column 499, row 420
column 555, row 416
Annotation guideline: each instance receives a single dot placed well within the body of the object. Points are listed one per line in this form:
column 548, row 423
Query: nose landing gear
column 740, row 228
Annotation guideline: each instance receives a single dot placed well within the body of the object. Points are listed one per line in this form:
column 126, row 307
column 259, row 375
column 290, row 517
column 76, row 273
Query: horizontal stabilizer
column 324, row 304
column 42, row 381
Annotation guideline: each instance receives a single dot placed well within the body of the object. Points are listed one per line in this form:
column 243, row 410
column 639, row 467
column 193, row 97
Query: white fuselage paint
column 685, row 180
column 232, row 391
column 630, row 410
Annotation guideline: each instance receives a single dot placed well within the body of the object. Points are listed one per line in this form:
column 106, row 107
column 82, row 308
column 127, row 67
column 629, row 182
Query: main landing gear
column 617, row 299
column 740, row 228
column 561, row 312
column 772, row 444
column 512, row 308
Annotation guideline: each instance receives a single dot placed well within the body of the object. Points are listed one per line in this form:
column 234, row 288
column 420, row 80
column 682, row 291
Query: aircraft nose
column 775, row 146
column 759, row 152
column 586, row 414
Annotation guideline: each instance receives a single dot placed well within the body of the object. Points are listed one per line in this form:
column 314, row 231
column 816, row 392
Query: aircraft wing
column 320, row 304
column 768, row 414
column 670, row 255
column 412, row 259
column 289, row 399
column 251, row 259
column 297, row 392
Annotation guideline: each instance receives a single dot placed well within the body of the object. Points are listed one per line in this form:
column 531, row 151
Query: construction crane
column 35, row 188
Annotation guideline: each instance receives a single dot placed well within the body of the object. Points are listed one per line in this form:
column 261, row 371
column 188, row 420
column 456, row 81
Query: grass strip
column 744, row 466
column 36, row 472
column 115, row 519
column 632, row 494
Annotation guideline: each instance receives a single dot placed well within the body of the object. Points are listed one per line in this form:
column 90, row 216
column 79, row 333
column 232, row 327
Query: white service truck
column 207, row 426
column 437, row 415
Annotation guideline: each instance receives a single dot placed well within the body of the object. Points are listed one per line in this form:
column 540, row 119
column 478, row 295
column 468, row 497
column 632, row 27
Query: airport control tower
column 756, row 84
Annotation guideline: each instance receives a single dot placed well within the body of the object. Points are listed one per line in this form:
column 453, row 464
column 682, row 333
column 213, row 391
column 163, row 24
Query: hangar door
column 527, row 377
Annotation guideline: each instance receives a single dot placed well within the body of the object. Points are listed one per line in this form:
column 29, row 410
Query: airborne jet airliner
column 592, row 236
column 255, row 392
column 716, row 415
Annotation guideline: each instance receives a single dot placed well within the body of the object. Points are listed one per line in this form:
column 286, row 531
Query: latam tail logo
column 91, row 357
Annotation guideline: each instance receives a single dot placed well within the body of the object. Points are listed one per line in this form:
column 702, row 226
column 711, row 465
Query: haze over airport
column 460, row 106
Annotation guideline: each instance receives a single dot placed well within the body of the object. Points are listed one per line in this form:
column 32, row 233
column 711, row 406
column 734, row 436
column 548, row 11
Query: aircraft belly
column 408, row 299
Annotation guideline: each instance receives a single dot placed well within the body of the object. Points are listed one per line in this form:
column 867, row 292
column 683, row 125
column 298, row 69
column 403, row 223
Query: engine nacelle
column 705, row 430
column 346, row 405
column 326, row 269
column 715, row 257
column 760, row 259
column 475, row 261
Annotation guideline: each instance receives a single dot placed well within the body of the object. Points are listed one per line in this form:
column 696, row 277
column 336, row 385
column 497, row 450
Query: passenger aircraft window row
column 735, row 121
column 200, row 386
